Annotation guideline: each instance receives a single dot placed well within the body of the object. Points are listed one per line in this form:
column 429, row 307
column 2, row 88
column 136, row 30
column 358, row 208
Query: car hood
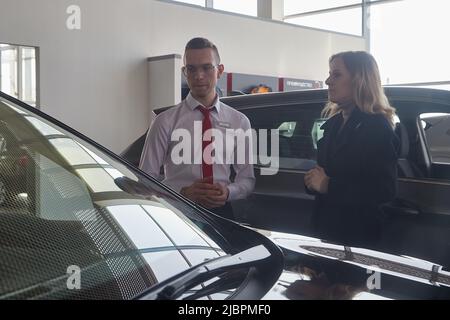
column 319, row 270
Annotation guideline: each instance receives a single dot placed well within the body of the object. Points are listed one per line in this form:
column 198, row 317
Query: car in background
column 417, row 223
column 92, row 226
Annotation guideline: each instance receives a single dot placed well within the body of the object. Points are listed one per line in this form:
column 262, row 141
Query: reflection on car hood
column 296, row 282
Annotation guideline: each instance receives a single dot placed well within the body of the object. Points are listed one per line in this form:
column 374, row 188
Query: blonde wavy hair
column 368, row 94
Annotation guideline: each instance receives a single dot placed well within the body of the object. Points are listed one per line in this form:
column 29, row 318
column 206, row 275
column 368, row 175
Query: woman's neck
column 347, row 109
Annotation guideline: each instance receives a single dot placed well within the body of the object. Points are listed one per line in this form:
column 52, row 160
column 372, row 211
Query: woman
column 357, row 156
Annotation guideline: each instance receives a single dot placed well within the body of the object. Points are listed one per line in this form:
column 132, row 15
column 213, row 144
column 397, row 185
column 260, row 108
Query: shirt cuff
column 233, row 192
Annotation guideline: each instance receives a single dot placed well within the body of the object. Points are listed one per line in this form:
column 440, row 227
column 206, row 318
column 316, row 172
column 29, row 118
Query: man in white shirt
column 206, row 178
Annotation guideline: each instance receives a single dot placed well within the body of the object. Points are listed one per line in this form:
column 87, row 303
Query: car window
column 69, row 211
column 426, row 140
column 287, row 129
column 317, row 131
column 437, row 132
column 297, row 148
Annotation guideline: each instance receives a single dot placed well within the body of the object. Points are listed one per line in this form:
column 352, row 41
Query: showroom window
column 402, row 47
column 414, row 51
column 343, row 16
column 345, row 21
column 294, row 6
column 246, row 7
column 195, row 2
column 18, row 72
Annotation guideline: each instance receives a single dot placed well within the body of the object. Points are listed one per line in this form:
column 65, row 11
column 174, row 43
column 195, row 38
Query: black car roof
column 317, row 95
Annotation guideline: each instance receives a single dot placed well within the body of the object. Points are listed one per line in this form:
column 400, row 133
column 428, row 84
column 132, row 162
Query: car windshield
column 77, row 223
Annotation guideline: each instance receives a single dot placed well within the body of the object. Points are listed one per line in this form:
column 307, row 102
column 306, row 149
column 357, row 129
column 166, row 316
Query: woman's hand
column 317, row 180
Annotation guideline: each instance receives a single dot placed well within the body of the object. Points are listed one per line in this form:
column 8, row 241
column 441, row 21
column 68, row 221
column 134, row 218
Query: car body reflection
column 321, row 270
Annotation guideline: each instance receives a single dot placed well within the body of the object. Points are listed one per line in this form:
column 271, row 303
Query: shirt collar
column 192, row 103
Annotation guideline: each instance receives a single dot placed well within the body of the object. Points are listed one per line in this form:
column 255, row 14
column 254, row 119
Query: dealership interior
column 97, row 61
column 82, row 81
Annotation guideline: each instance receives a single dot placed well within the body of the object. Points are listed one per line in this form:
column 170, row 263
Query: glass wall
column 335, row 15
column 345, row 21
column 414, row 49
column 28, row 76
column 8, row 70
column 406, row 37
column 18, row 72
column 196, row 2
column 247, row 7
column 292, row 7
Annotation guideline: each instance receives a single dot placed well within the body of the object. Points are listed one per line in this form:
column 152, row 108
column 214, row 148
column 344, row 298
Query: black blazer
column 361, row 161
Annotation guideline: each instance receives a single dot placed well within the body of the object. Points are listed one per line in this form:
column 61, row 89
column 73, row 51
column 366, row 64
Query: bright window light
column 247, row 7
column 415, row 50
column 18, row 72
column 296, row 6
column 196, row 2
column 345, row 21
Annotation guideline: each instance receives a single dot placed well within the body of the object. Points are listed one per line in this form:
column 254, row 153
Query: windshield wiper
column 224, row 283
column 174, row 287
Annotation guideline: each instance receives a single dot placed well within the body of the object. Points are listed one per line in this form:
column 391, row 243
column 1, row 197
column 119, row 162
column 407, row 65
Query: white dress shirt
column 158, row 148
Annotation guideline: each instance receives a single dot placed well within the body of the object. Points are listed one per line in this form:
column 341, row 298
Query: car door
column 418, row 222
column 279, row 201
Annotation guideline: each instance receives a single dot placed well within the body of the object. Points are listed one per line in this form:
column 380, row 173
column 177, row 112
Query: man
column 206, row 181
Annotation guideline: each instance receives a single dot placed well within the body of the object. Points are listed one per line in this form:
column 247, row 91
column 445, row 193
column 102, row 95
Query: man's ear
column 220, row 68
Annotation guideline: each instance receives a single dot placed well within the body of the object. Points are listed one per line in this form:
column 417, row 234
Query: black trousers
column 226, row 211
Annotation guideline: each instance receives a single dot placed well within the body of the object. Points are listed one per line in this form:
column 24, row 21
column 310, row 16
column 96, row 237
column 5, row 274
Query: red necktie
column 207, row 168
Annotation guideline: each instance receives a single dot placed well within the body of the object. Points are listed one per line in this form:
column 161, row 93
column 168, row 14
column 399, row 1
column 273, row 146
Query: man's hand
column 317, row 180
column 218, row 200
column 207, row 194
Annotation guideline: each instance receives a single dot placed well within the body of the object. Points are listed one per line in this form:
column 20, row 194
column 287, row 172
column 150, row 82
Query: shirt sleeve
column 244, row 181
column 155, row 149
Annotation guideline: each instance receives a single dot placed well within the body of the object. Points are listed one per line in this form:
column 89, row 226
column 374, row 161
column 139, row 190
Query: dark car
column 92, row 226
column 417, row 223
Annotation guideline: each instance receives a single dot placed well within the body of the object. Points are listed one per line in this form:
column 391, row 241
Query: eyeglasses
column 190, row 69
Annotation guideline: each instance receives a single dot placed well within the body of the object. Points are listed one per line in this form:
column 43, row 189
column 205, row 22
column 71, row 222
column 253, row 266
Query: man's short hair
column 202, row 43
